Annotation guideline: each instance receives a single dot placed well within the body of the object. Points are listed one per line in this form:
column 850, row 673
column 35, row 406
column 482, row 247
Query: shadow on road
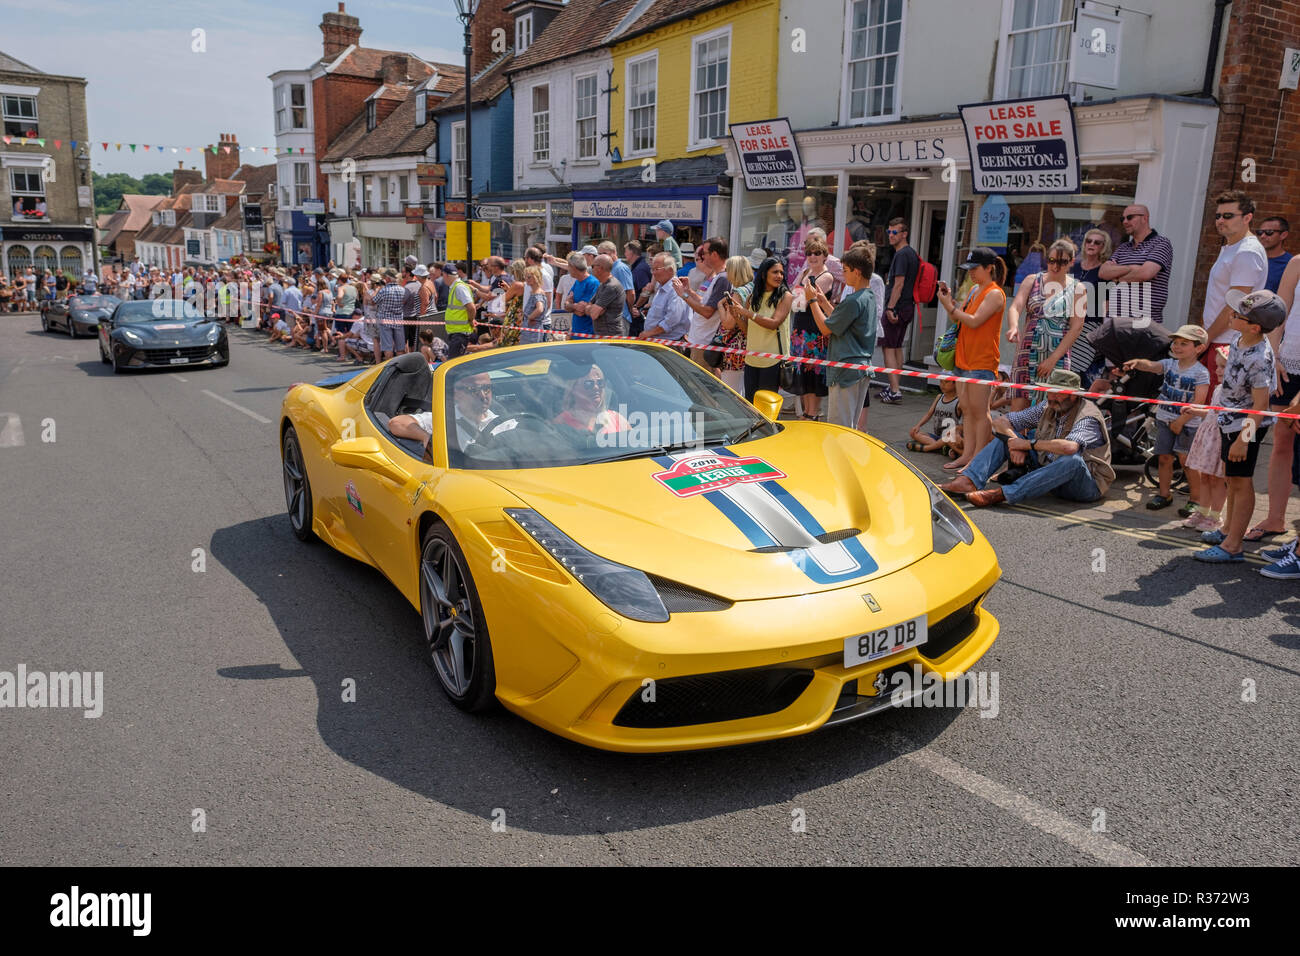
column 342, row 620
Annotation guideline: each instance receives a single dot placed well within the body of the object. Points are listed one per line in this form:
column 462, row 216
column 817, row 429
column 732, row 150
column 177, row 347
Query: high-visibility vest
column 457, row 315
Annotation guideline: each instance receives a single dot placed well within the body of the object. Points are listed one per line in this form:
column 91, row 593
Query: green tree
column 110, row 189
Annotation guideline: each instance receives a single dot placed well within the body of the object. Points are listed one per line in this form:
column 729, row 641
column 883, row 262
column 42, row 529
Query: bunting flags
column 226, row 148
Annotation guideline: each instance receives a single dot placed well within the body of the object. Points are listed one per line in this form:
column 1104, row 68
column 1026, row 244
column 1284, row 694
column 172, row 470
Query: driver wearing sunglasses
column 473, row 397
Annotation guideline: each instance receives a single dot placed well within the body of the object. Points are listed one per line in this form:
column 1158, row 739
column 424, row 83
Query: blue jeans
column 1066, row 477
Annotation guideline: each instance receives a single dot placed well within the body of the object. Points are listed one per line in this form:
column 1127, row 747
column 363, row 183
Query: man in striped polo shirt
column 1138, row 270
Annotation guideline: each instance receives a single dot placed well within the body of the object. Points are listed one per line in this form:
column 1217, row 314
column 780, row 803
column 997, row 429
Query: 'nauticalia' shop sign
column 648, row 209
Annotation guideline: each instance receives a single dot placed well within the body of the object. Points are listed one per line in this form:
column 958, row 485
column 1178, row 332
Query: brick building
column 48, row 208
column 313, row 106
column 1258, row 144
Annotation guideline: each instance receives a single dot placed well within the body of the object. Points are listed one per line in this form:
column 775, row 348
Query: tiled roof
column 360, row 61
column 572, row 32
column 694, row 170
column 396, row 135
column 488, row 85
column 110, row 226
column 257, row 179
column 233, row 220
column 228, row 187
column 662, row 12
column 140, row 207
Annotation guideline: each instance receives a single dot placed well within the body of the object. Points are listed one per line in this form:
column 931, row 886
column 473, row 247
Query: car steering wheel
column 525, row 423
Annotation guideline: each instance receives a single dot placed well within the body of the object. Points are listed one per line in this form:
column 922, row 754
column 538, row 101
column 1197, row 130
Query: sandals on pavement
column 1216, row 555
column 915, row 446
column 1159, row 502
column 1261, row 534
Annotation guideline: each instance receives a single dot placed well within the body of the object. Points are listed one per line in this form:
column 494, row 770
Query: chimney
column 182, row 177
column 221, row 164
column 340, row 31
column 396, row 69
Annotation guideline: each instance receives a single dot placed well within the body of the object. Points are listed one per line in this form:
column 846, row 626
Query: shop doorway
column 929, row 245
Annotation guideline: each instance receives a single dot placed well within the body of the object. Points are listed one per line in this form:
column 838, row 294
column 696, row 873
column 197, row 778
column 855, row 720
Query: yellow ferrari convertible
column 614, row 545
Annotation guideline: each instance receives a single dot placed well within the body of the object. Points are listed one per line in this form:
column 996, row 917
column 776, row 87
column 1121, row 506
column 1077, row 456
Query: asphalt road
column 1120, row 690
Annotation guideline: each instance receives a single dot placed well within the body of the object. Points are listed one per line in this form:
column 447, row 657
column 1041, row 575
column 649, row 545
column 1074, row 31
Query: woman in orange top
column 978, row 345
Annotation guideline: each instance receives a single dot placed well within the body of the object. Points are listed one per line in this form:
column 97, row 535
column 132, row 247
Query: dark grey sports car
column 77, row 314
column 161, row 333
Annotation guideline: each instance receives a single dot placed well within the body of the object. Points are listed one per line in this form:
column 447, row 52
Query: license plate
column 874, row 645
column 180, row 361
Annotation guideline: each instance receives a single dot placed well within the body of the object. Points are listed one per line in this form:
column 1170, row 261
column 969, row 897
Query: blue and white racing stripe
column 770, row 516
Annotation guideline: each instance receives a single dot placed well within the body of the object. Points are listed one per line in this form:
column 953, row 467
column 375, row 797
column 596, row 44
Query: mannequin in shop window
column 781, row 232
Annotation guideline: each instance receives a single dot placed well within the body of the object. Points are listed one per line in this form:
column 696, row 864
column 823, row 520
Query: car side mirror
column 366, row 453
column 768, row 404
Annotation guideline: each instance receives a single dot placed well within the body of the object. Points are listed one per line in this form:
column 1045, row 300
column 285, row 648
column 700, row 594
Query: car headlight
column 948, row 525
column 81, row 316
column 624, row 590
column 132, row 337
column 214, row 333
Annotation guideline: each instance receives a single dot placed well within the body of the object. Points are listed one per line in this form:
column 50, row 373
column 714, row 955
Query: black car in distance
column 77, row 314
column 161, row 333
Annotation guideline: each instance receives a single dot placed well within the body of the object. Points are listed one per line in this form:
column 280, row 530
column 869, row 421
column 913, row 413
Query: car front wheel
column 455, row 631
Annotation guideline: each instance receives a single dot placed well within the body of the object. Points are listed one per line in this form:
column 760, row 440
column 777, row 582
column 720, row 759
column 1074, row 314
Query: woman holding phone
column 764, row 319
column 740, row 273
column 806, row 339
column 978, row 345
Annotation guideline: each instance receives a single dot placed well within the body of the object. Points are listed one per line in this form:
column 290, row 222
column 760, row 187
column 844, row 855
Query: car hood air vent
column 829, row 537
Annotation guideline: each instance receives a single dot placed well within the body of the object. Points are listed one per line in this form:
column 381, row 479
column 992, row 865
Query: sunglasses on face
column 592, row 385
column 482, row 390
column 1269, row 232
column 1058, row 262
column 1226, row 215
column 1133, row 215
column 895, row 232
column 1093, row 242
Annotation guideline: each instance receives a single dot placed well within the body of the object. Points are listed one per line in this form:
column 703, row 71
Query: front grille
column 951, row 630
column 709, row 698
column 679, row 599
column 164, row 356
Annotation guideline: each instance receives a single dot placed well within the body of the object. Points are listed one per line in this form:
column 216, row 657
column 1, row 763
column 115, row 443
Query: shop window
column 711, row 60
column 20, row 257
column 875, row 42
column 70, row 261
column 1038, row 46
column 20, row 115
column 779, row 221
column 45, row 259
column 873, row 201
column 541, row 123
column 28, row 191
column 642, row 93
column 584, row 88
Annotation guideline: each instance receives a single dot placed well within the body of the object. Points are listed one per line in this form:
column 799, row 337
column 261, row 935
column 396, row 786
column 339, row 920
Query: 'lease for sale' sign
column 1022, row 146
column 768, row 154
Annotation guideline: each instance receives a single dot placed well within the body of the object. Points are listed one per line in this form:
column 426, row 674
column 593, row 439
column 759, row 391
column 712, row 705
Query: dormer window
column 370, row 115
column 523, row 32
column 421, row 108
column 169, row 217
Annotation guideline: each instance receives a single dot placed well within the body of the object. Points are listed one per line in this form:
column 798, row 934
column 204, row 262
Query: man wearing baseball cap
column 1059, row 446
column 664, row 233
column 1186, row 381
column 1249, row 378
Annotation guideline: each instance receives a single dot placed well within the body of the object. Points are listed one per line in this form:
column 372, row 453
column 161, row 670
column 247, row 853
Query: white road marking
column 239, row 408
column 180, row 378
column 1017, row 804
column 11, row 432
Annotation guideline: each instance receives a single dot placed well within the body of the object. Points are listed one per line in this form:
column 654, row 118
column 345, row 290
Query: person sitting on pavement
column 1068, row 454
column 946, row 412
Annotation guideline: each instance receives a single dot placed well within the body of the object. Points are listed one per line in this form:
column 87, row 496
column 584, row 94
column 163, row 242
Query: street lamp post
column 465, row 11
column 83, row 166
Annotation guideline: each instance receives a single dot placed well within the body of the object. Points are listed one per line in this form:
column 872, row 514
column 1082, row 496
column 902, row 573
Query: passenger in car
column 586, row 400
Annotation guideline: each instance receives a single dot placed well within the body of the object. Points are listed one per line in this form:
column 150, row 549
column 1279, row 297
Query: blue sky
column 147, row 85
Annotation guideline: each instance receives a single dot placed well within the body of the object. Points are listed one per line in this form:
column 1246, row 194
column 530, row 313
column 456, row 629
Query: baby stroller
column 1133, row 424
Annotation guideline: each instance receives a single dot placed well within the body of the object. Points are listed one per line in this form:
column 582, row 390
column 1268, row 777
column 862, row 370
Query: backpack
column 926, row 284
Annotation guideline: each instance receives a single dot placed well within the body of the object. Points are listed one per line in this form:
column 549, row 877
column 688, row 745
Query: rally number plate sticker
column 885, row 641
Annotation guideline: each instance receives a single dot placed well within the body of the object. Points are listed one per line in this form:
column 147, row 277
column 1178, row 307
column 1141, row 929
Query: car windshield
column 93, row 302
column 158, row 310
column 585, row 402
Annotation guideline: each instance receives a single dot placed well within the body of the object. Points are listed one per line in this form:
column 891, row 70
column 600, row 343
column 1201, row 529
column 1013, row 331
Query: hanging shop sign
column 768, row 154
column 1022, row 146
